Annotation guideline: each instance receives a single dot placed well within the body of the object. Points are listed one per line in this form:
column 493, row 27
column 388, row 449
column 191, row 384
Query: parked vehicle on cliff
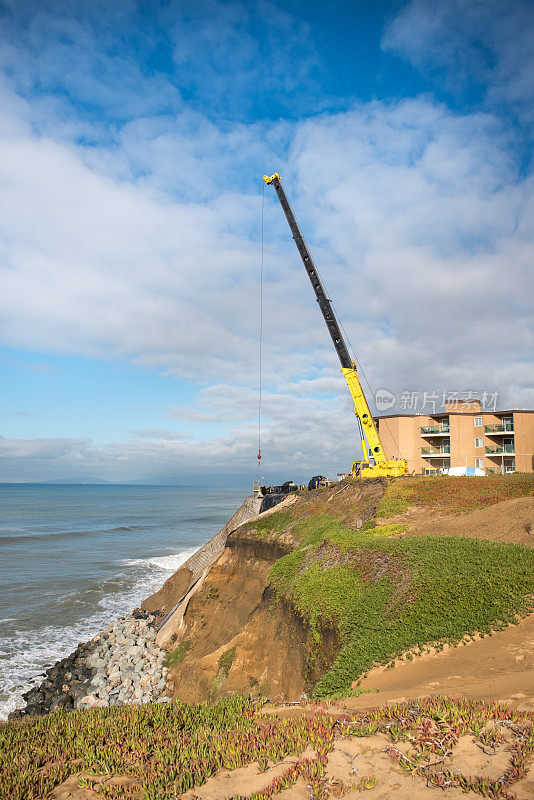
column 317, row 482
column 284, row 488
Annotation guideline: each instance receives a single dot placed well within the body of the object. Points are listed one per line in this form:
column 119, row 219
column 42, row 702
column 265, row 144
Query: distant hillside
column 203, row 480
column 74, row 481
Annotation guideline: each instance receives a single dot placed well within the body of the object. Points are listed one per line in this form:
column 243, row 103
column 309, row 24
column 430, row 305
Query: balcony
column 506, row 449
column 435, row 430
column 436, row 452
column 507, row 427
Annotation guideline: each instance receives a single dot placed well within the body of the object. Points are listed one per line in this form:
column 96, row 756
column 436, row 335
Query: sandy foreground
column 496, row 668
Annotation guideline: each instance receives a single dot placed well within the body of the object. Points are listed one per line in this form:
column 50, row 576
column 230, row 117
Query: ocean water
column 74, row 558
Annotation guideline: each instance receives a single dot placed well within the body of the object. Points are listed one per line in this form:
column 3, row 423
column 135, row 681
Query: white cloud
column 147, row 249
column 414, row 214
column 44, row 449
column 298, row 435
column 162, row 434
column 467, row 42
column 427, row 234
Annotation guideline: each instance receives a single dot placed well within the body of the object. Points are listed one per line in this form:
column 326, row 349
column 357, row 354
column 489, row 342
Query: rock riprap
column 120, row 665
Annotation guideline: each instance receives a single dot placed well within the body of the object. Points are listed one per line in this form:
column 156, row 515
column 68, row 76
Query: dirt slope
column 496, row 668
column 234, row 639
column 510, row 521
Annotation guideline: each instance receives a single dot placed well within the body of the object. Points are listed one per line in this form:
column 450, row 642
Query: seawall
column 189, row 578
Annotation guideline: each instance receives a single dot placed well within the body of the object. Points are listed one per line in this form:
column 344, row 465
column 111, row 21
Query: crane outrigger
column 372, row 447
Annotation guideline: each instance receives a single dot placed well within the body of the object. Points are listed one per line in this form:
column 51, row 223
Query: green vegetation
column 389, row 529
column 455, row 493
column 158, row 752
column 177, row 655
column 226, row 661
column 272, row 523
column 388, row 595
column 395, row 499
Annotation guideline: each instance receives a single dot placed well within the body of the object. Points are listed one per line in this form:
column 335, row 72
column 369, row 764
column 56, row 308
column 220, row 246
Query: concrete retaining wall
column 210, row 552
column 199, row 564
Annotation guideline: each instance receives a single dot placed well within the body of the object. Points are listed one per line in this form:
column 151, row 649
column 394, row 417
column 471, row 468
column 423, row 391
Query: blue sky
column 133, row 138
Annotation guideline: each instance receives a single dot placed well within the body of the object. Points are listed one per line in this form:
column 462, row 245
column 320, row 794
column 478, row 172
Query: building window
column 479, row 462
column 478, row 422
column 478, row 442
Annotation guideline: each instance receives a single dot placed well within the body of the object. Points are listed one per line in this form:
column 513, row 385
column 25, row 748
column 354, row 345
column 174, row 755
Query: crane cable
column 261, row 334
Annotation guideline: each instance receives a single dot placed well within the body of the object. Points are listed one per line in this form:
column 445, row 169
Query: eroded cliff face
column 235, row 635
column 234, row 638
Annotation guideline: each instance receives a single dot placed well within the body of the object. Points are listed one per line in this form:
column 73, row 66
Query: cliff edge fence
column 190, row 575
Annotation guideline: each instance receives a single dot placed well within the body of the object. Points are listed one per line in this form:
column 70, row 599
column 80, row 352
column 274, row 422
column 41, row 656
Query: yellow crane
column 374, row 463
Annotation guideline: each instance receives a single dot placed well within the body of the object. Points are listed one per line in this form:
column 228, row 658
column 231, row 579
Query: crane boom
column 366, row 423
column 324, row 302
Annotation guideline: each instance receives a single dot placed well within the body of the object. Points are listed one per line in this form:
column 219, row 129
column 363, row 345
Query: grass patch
column 457, row 494
column 272, row 523
column 389, row 595
column 389, row 529
column 226, row 661
column 177, row 655
column 395, row 500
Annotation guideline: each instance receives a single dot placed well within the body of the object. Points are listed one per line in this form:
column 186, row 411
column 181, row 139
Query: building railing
column 506, row 428
column 434, row 429
column 497, row 451
column 436, row 451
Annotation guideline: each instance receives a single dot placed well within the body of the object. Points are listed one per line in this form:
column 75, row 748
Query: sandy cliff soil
column 172, row 590
column 511, row 521
column 496, row 668
column 233, row 637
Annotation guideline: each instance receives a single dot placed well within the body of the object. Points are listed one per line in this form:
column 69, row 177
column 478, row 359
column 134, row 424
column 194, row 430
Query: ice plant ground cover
column 456, row 494
column 160, row 752
column 387, row 595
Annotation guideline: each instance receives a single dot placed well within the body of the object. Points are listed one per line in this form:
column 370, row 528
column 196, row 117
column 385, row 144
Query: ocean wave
column 24, row 655
column 31, row 536
column 130, row 528
column 170, row 563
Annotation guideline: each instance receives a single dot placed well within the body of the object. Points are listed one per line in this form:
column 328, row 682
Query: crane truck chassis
column 372, row 447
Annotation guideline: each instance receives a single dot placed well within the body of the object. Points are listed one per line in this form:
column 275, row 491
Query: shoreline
column 119, row 665
column 123, row 663
column 74, row 565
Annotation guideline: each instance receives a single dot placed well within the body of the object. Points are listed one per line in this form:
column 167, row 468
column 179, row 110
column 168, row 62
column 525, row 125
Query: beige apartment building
column 461, row 436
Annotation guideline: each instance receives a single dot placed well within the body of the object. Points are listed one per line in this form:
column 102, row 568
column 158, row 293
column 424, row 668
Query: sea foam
column 25, row 655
